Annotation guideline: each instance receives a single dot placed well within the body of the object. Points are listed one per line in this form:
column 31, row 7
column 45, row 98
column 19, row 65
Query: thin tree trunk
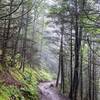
column 81, row 74
column 61, row 59
column 71, row 69
column 59, row 70
column 89, row 70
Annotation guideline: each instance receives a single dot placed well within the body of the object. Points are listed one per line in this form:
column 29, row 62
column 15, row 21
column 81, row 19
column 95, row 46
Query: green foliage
column 9, row 91
column 44, row 76
column 29, row 79
column 58, row 9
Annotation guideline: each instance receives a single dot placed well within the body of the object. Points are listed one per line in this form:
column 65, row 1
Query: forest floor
column 48, row 91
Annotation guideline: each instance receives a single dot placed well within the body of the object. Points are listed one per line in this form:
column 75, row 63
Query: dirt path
column 49, row 92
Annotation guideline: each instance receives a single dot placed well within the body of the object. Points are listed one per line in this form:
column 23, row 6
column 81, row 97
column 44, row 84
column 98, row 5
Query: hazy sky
column 50, row 2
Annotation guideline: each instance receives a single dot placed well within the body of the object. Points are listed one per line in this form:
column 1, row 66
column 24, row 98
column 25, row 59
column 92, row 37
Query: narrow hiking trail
column 49, row 92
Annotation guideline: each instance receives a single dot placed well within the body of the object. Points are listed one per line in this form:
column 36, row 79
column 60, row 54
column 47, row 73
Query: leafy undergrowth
column 23, row 85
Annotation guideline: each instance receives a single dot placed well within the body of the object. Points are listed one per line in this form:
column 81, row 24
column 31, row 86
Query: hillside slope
column 18, row 85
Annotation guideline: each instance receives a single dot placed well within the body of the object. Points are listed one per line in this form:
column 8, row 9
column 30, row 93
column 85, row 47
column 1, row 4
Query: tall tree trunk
column 6, row 35
column 81, row 73
column 24, row 43
column 15, row 46
column 71, row 66
column 76, row 68
column 62, row 66
column 89, row 72
column 94, row 96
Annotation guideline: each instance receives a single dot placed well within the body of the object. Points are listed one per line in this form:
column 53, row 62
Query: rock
column 51, row 85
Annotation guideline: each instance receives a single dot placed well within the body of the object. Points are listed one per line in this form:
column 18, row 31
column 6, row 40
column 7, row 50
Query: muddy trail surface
column 49, row 92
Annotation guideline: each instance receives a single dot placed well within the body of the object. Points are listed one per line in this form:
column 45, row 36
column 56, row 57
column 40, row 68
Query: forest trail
column 49, row 92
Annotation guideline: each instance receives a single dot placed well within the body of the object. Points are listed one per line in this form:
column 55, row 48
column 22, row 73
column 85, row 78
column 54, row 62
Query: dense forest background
column 46, row 40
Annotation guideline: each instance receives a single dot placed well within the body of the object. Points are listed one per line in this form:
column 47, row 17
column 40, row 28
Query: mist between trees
column 62, row 36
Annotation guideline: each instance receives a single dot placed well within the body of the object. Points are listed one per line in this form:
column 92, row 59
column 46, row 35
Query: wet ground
column 49, row 92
